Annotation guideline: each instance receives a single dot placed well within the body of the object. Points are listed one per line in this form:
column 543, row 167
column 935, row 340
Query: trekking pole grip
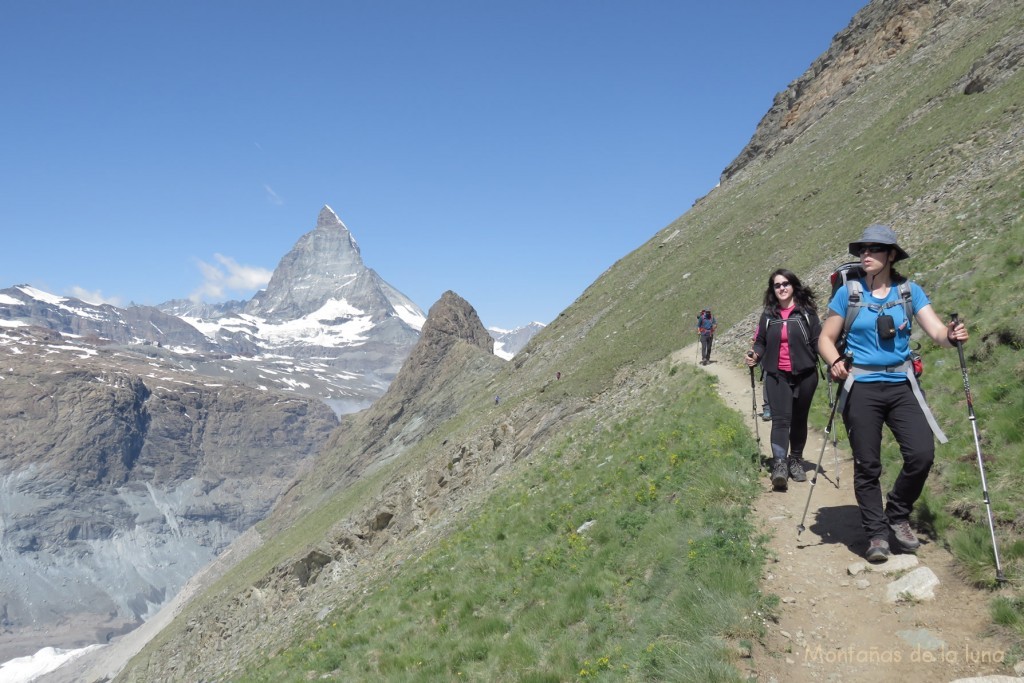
column 959, row 344
column 963, row 365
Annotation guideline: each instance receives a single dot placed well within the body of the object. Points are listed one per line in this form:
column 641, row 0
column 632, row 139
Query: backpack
column 847, row 275
column 710, row 317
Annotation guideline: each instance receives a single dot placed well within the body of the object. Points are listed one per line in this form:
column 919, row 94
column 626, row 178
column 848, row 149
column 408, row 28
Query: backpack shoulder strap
column 855, row 303
column 908, row 303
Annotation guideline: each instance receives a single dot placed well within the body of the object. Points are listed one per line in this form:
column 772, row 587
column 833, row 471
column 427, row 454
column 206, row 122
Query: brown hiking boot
column 878, row 550
column 905, row 538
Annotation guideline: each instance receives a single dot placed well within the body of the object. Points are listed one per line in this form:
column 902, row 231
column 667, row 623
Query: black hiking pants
column 789, row 397
column 868, row 407
column 705, row 346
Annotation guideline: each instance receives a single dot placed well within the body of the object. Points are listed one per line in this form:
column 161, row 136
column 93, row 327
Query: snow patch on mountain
column 507, row 343
column 335, row 324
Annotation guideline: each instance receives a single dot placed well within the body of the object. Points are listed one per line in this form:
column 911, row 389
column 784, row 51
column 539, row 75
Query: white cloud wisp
column 229, row 276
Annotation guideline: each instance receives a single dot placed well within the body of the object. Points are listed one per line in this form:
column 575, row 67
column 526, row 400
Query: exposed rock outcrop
column 436, row 381
column 878, row 33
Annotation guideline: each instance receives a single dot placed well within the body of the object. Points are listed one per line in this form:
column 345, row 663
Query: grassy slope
column 669, row 567
column 623, row 555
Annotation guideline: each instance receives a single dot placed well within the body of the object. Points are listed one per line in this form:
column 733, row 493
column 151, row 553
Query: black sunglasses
column 871, row 249
column 780, row 285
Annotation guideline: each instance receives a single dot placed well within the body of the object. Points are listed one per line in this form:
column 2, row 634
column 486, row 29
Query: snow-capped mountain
column 326, row 326
column 508, row 343
column 325, row 270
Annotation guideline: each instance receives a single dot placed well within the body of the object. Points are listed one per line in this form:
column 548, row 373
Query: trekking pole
column 835, row 443
column 848, row 360
column 753, row 401
column 1000, row 577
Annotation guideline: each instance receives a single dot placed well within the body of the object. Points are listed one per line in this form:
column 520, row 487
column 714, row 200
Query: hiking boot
column 878, row 550
column 904, row 535
column 796, row 469
column 766, row 414
column 780, row 474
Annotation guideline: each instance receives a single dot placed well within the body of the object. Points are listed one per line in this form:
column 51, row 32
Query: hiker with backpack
column 872, row 317
column 786, row 346
column 706, row 326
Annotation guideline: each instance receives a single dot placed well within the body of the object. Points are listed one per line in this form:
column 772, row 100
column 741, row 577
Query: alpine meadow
column 595, row 523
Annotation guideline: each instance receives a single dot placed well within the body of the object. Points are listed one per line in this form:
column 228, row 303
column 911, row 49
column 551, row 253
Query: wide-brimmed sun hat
column 879, row 234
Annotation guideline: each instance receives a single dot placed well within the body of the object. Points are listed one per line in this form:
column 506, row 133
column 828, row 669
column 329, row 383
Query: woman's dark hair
column 802, row 295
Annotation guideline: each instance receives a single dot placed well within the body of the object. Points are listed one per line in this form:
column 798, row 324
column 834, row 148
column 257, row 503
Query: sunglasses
column 871, row 249
column 780, row 285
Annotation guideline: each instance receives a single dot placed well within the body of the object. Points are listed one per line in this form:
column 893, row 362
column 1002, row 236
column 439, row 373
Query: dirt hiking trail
column 841, row 619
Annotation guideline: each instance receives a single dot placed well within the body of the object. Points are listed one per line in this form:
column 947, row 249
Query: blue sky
column 508, row 151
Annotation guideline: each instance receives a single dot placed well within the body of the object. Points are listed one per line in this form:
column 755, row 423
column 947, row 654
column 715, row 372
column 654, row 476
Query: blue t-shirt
column 863, row 341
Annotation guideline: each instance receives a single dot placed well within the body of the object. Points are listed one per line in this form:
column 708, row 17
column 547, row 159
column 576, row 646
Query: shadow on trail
column 840, row 524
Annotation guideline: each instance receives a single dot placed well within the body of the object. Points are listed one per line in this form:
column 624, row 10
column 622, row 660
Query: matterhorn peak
column 324, row 270
column 329, row 219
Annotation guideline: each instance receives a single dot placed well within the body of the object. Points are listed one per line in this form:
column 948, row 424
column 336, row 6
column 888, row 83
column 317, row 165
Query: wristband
column 837, row 360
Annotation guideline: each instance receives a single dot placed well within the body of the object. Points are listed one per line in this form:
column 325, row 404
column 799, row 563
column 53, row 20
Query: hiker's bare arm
column 943, row 334
column 830, row 332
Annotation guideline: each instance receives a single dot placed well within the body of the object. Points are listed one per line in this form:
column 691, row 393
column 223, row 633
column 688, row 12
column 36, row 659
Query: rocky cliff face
column 877, row 34
column 119, row 479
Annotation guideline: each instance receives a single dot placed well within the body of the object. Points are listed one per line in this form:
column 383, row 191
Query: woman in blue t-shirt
column 881, row 388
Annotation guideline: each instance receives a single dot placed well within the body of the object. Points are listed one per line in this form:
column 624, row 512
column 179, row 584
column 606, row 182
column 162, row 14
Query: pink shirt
column 784, row 362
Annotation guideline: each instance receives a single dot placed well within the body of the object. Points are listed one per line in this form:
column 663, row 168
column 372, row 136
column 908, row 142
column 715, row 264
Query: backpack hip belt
column 907, row 368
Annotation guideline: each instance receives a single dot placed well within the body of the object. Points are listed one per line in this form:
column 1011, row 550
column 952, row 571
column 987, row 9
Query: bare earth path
column 839, row 626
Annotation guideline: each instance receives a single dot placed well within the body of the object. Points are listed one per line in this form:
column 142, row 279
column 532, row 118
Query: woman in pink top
column 786, row 346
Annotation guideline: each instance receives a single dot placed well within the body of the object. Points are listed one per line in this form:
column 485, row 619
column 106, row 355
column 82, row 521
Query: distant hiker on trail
column 706, row 326
column 880, row 386
column 786, row 346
